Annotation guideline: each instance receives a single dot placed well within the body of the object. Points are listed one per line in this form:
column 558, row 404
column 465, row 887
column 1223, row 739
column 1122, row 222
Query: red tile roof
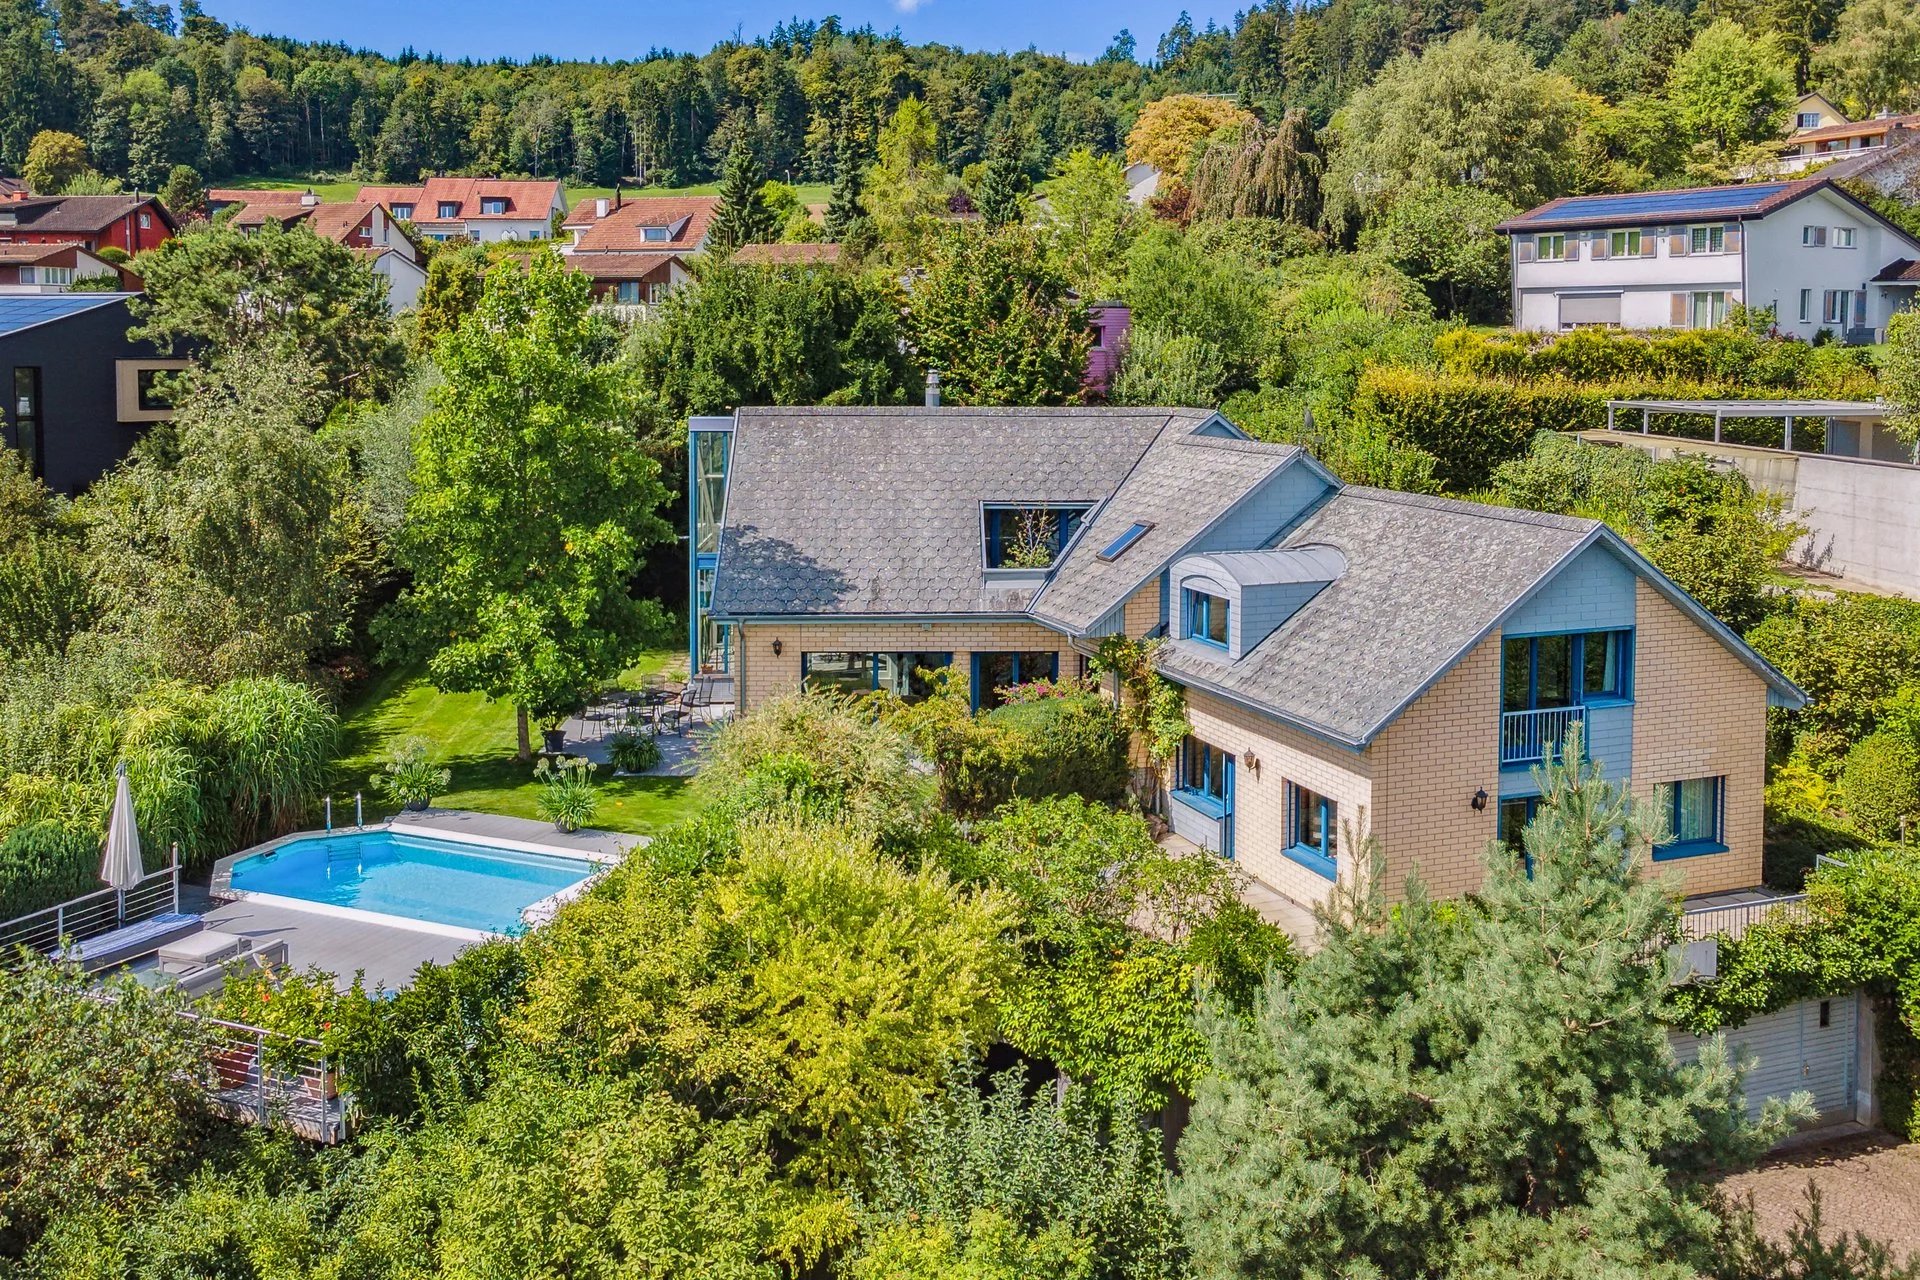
column 1857, row 129
column 1899, row 271
column 621, row 266
column 528, row 199
column 27, row 255
column 240, row 195
column 788, row 255
column 686, row 218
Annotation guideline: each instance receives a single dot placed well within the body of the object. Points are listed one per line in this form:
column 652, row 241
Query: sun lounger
column 131, row 941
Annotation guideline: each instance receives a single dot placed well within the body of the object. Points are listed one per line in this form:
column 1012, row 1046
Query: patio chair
column 674, row 715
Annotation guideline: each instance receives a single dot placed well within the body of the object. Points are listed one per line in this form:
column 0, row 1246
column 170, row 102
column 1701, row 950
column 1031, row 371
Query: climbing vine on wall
column 1154, row 707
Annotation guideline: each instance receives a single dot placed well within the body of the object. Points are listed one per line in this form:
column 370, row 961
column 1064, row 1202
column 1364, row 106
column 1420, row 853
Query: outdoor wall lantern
column 1479, row 800
column 777, row 647
column 1251, row 760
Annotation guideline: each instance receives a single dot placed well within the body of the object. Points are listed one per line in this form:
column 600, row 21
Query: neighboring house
column 483, row 209
column 1111, row 322
column 810, row 254
column 219, row 198
column 1355, row 661
column 1143, row 183
column 133, row 223
column 635, row 250
column 1682, row 259
column 1816, row 111
column 1822, row 133
column 51, row 268
column 12, row 188
column 75, row 392
column 364, row 227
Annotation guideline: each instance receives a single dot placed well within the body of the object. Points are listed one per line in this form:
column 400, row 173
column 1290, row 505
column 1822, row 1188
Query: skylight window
column 1118, row 547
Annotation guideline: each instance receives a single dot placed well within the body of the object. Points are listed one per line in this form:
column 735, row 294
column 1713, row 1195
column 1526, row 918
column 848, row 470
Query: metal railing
column 1527, row 736
column 270, row 1078
column 1733, row 921
column 91, row 915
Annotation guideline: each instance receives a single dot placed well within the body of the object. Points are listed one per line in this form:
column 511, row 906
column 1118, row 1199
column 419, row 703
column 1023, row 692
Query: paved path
column 388, row 955
column 1868, row 1183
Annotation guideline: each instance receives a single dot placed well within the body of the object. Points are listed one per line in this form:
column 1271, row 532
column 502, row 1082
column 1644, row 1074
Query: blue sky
column 614, row 28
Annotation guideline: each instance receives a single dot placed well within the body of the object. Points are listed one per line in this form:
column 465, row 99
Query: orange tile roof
column 392, row 195
column 526, row 199
column 788, row 255
column 238, row 195
column 621, row 266
column 621, row 230
column 338, row 221
column 1858, row 129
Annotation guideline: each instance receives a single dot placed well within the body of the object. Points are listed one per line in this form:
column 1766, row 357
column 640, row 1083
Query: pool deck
column 388, row 950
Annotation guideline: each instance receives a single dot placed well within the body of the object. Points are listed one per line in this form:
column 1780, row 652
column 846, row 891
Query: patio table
column 198, row 950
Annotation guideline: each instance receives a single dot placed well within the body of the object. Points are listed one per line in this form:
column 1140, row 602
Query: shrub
column 1732, row 356
column 632, row 751
column 45, row 863
column 1065, row 746
column 1880, row 784
column 567, row 798
column 411, row 778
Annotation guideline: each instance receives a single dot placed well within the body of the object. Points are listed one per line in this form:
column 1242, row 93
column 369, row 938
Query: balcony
column 1527, row 736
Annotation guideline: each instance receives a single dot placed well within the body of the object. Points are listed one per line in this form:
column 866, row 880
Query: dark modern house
column 78, row 392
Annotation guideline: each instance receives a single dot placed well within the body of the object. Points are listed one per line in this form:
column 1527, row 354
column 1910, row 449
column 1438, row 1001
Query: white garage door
column 1810, row 1045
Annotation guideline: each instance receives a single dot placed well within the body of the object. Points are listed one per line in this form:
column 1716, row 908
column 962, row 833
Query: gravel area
column 1869, row 1183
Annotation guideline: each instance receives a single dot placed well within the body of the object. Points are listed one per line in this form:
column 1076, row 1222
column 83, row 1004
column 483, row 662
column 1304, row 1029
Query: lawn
column 475, row 738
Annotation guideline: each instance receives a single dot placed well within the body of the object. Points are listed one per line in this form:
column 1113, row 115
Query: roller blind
column 1589, row 308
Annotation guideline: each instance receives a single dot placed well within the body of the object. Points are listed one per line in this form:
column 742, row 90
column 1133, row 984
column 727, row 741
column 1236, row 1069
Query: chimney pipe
column 933, row 388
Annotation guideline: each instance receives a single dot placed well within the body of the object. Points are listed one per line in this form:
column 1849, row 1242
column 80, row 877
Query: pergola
column 1721, row 410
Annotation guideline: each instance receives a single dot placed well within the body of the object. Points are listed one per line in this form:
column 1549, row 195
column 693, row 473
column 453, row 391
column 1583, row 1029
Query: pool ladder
column 359, row 815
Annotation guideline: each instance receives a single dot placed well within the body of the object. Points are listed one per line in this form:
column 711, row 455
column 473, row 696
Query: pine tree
column 1451, row 1089
column 740, row 218
column 843, row 201
column 1001, row 198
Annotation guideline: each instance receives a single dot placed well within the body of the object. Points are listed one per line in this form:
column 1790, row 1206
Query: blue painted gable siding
column 1253, row 525
column 1263, row 609
column 1595, row 592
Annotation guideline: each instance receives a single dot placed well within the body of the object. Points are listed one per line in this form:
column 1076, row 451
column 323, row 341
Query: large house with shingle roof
column 1682, row 259
column 1355, row 661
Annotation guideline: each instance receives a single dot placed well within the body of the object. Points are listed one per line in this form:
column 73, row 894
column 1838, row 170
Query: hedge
column 1472, row 424
column 1730, row 357
column 43, row 864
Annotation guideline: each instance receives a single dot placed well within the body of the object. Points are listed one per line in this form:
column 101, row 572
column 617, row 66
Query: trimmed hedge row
column 1708, row 356
column 1473, row 424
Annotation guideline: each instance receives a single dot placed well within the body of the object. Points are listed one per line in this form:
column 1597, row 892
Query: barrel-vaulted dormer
column 1232, row 600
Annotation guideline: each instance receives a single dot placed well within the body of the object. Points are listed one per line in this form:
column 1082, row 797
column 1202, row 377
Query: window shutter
column 1733, row 239
column 1679, row 315
column 1677, row 244
column 1599, row 246
column 1649, row 238
column 1525, row 249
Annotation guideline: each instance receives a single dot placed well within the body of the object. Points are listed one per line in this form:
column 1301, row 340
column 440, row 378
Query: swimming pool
column 391, row 873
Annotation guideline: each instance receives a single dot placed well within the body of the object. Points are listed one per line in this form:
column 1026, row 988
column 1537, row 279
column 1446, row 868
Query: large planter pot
column 556, row 740
column 566, row 827
column 416, row 806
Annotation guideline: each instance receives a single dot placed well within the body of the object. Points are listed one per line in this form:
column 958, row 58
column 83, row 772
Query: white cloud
column 908, row 6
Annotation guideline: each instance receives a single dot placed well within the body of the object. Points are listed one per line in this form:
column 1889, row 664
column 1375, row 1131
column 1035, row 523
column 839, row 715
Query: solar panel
column 1664, row 204
column 23, row 310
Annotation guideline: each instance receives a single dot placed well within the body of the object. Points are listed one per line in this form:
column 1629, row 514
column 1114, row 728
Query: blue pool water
column 442, row 881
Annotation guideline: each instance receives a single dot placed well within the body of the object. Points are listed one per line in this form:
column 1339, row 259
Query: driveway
column 1869, row 1183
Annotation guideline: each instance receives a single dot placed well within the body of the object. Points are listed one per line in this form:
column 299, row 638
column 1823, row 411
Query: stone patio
column 588, row 735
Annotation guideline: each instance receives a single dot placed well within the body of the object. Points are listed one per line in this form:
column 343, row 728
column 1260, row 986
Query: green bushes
column 1880, row 784
column 1054, row 739
column 45, row 863
column 1731, row 356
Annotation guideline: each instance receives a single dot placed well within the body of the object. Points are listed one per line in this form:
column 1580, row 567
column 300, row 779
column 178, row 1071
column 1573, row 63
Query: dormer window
column 1207, row 618
column 1027, row 537
column 656, row 233
column 493, row 204
column 449, row 208
column 403, row 211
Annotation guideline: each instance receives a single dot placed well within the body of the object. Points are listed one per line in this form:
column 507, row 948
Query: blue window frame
column 1515, row 813
column 1586, row 668
column 897, row 673
column 1207, row 618
column 1203, row 773
column 1695, row 814
column 1313, row 826
column 1012, row 527
column 1132, row 534
column 993, row 672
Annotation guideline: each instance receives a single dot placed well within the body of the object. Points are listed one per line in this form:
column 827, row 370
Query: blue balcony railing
column 1527, row 736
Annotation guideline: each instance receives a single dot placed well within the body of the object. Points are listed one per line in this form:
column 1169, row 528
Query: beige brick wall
column 1699, row 712
column 1427, row 766
column 1142, row 613
column 1260, row 811
column 763, row 675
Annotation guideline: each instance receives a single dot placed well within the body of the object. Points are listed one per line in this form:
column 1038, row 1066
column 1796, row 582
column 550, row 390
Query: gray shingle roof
column 1182, row 485
column 1426, row 578
column 866, row 511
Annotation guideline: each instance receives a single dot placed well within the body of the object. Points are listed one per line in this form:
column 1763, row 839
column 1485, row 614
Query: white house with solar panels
column 1681, row 259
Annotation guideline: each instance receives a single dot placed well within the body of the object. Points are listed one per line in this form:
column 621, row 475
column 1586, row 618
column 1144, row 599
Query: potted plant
column 411, row 778
column 632, row 751
column 567, row 796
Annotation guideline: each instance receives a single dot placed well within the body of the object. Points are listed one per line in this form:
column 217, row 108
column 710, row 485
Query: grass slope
column 475, row 738
column 337, row 191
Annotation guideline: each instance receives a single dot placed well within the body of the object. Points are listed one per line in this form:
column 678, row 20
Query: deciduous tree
column 906, row 193
column 532, row 505
column 1874, row 60
column 54, row 158
column 1732, row 89
column 1088, row 222
column 1168, row 131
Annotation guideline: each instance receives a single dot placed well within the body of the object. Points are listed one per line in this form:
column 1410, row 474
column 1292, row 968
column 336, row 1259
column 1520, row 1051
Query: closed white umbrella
column 122, row 868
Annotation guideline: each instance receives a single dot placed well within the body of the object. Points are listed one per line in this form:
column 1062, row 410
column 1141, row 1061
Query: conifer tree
column 1002, row 198
column 843, row 200
column 1474, row 1088
column 740, row 217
